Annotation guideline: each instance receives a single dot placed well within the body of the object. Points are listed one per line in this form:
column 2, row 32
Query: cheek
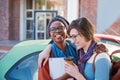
column 80, row 42
column 51, row 35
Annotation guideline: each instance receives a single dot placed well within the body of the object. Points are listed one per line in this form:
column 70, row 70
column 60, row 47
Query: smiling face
column 57, row 32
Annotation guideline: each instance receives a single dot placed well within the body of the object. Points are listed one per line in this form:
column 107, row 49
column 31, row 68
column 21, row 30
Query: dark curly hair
column 58, row 18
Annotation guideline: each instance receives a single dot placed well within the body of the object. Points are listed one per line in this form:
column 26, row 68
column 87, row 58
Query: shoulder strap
column 99, row 49
column 93, row 65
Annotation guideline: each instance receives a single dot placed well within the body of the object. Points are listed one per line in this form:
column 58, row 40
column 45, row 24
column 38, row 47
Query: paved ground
column 5, row 46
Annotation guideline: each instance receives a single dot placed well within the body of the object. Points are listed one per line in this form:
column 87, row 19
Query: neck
column 61, row 45
column 87, row 45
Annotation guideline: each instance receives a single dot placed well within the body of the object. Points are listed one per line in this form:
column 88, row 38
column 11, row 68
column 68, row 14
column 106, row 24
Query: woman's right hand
column 44, row 56
column 73, row 71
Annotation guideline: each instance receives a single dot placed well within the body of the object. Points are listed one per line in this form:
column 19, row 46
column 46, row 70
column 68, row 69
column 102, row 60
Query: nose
column 57, row 31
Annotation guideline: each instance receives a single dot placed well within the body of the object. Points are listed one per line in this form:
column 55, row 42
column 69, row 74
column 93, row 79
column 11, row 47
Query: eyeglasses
column 54, row 29
column 73, row 37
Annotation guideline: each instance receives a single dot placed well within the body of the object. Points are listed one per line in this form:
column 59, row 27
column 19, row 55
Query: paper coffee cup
column 69, row 60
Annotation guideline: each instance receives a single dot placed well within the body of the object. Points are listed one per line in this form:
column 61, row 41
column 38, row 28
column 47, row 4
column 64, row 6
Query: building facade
column 28, row 19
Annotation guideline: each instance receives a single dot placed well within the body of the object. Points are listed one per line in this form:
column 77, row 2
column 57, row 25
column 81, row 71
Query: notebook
column 56, row 67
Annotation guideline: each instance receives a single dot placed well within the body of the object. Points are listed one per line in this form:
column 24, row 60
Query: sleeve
column 51, row 42
column 72, row 44
column 43, row 72
column 103, row 66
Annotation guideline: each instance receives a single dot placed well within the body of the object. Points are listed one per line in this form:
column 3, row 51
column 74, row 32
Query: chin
column 59, row 41
column 78, row 47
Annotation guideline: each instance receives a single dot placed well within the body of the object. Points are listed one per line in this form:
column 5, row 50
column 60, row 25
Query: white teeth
column 58, row 36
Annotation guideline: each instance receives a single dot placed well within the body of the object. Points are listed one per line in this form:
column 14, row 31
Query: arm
column 44, row 55
column 73, row 71
column 102, row 66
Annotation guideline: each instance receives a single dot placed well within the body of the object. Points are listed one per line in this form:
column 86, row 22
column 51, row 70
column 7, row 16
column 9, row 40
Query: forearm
column 79, row 77
column 44, row 55
column 47, row 49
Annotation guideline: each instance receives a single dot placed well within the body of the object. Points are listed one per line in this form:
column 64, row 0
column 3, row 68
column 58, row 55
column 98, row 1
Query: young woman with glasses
column 59, row 47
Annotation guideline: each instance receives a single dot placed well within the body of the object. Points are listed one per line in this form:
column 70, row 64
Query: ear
column 50, row 37
column 65, row 30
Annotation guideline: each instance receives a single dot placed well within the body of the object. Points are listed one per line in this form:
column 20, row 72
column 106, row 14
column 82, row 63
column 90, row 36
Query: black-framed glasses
column 73, row 37
column 54, row 29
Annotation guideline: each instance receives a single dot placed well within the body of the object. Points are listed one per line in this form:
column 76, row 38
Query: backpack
column 115, row 69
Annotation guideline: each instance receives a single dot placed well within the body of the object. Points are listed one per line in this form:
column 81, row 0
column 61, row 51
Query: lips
column 58, row 36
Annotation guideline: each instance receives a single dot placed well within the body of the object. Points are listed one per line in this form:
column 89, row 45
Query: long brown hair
column 84, row 26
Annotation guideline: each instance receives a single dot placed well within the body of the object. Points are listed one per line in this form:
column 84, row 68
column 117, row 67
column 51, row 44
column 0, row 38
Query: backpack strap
column 100, row 48
column 93, row 65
